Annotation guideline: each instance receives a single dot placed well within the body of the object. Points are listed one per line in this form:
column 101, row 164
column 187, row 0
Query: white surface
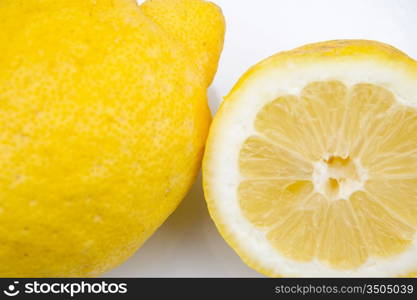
column 188, row 244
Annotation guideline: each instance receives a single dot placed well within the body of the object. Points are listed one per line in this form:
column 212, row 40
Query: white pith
column 237, row 123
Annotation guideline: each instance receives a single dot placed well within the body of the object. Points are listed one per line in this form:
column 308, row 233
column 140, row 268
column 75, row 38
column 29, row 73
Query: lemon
column 103, row 119
column 311, row 163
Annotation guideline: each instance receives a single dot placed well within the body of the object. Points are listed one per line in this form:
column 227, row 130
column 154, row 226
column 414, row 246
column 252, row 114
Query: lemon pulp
column 330, row 174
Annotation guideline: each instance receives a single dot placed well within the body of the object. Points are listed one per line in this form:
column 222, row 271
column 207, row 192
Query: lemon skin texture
column 103, row 120
column 204, row 42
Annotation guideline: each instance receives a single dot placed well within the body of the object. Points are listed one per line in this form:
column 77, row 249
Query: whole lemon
column 103, row 119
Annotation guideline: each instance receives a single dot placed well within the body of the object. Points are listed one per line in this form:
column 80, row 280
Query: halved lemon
column 311, row 163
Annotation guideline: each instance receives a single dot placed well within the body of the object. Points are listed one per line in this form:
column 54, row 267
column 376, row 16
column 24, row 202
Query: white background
column 188, row 244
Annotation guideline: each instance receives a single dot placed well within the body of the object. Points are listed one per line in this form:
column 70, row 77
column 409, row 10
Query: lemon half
column 311, row 163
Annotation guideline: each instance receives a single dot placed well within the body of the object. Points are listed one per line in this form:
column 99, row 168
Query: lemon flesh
column 325, row 173
column 362, row 142
column 103, row 120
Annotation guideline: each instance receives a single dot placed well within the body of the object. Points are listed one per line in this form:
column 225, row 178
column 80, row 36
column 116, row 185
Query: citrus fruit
column 103, row 120
column 311, row 162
